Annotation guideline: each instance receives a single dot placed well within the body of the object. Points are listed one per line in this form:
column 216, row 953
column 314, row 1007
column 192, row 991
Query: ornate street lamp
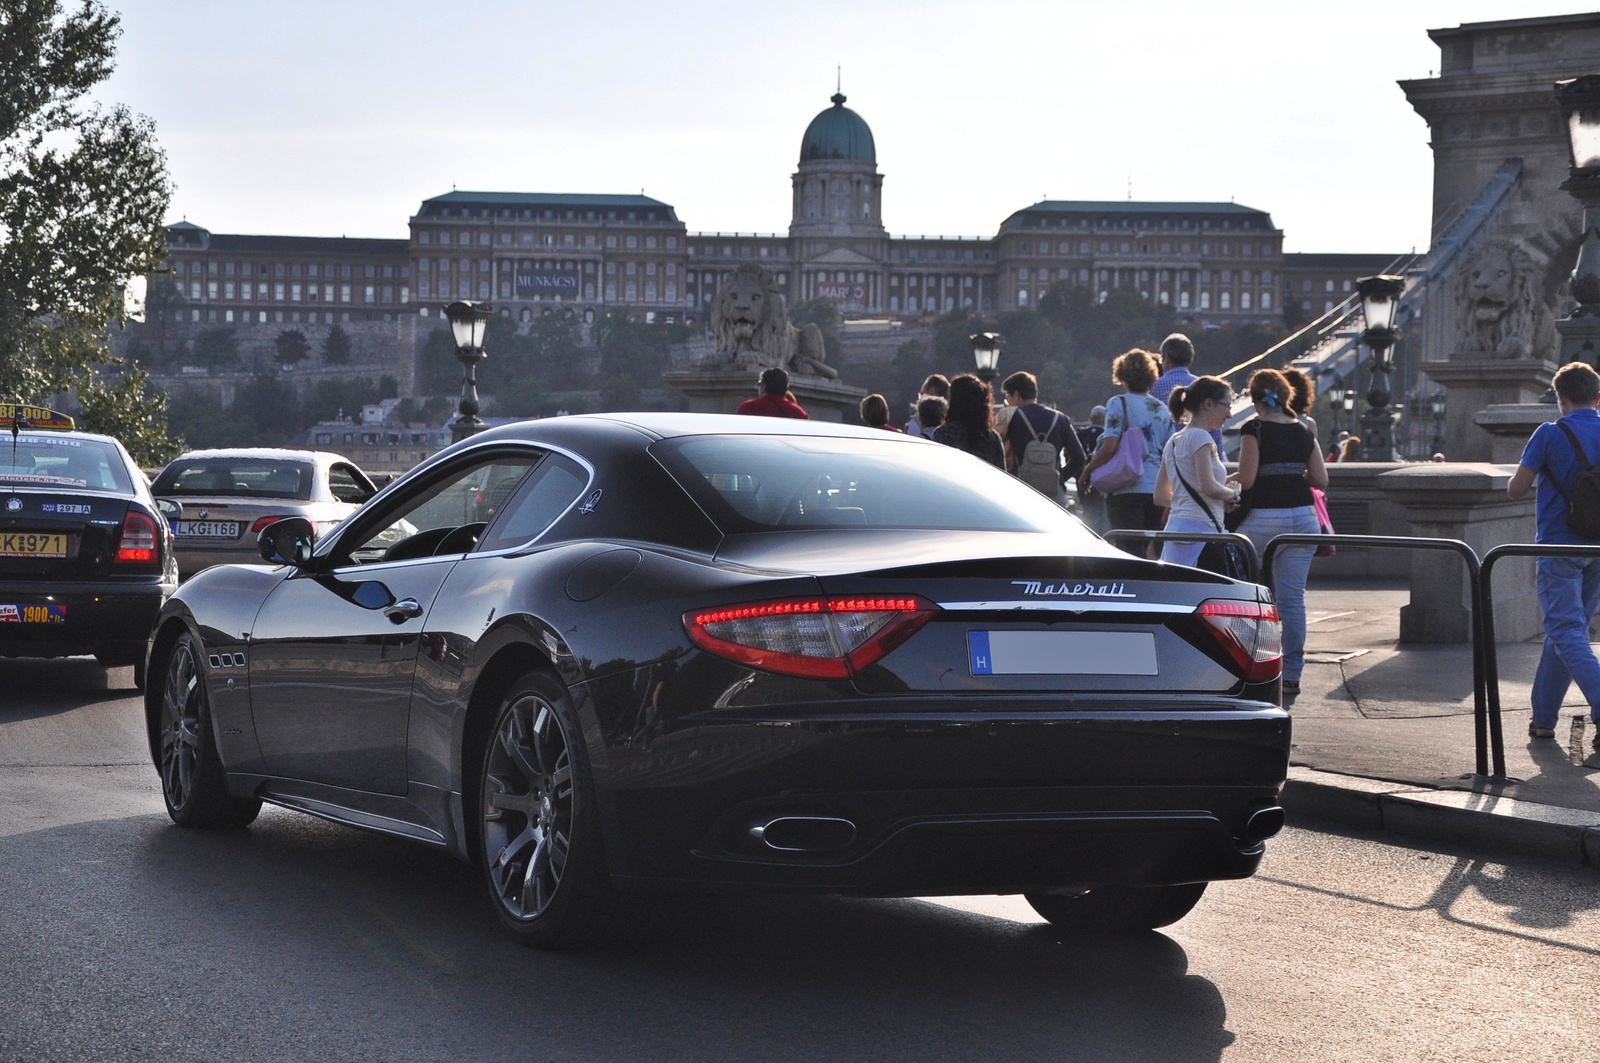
column 986, row 348
column 1437, row 405
column 1380, row 300
column 1335, row 404
column 1579, row 99
column 467, row 323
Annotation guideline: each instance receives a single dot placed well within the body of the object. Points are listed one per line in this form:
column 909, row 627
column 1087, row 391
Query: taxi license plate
column 25, row 613
column 206, row 529
column 33, row 544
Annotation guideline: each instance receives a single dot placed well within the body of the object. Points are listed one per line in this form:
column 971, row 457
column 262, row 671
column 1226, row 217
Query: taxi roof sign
column 20, row 416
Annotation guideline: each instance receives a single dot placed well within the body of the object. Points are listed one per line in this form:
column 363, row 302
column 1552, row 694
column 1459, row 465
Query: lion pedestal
column 722, row 389
column 1473, row 385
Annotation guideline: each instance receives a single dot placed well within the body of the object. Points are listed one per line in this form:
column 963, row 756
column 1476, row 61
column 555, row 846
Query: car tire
column 193, row 782
column 540, row 850
column 1118, row 909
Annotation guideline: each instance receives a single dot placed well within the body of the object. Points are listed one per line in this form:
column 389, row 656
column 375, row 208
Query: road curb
column 1484, row 820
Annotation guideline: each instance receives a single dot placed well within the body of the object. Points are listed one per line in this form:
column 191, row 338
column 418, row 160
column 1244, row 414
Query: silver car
column 223, row 499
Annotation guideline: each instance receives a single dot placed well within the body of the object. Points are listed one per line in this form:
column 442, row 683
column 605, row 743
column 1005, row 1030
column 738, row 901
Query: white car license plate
column 1062, row 652
column 206, row 529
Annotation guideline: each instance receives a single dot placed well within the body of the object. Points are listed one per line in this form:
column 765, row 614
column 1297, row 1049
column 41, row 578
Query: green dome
column 838, row 133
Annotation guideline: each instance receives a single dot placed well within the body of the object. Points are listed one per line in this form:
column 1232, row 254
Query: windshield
column 771, row 483
column 62, row 461
column 245, row 477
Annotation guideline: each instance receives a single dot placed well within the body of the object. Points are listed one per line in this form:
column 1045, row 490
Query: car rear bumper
column 97, row 616
column 192, row 559
column 944, row 803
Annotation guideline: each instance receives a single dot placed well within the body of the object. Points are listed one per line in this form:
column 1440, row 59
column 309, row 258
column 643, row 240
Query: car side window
column 538, row 503
column 445, row 516
column 348, row 485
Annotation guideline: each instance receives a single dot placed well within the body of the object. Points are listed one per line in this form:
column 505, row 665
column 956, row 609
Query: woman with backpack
column 1279, row 463
column 1127, row 461
column 1193, row 480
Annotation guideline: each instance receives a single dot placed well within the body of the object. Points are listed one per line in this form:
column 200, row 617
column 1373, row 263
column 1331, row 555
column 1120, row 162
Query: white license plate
column 1062, row 652
column 206, row 529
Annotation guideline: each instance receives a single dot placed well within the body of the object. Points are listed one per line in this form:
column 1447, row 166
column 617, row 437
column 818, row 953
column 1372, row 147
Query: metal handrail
column 1248, row 548
column 1486, row 724
column 1486, row 608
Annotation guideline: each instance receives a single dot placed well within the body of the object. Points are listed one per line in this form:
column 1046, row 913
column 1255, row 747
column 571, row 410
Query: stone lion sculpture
column 1501, row 305
column 750, row 323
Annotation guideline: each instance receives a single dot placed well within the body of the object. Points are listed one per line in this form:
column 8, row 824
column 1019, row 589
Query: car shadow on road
column 297, row 934
column 36, row 688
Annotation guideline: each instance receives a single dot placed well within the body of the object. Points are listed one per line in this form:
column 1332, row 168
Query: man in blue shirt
column 1177, row 355
column 1569, row 587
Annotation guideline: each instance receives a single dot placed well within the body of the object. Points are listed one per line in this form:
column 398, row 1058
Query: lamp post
column 1438, row 421
column 1579, row 99
column 986, row 347
column 467, row 323
column 1380, row 299
column 1335, row 404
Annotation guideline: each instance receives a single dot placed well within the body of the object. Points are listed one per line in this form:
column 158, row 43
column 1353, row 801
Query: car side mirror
column 287, row 541
column 169, row 509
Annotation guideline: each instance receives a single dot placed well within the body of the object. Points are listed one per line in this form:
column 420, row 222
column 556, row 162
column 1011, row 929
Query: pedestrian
column 1039, row 437
column 1302, row 396
column 1177, row 358
column 930, row 414
column 1089, row 434
column 1279, row 464
column 875, row 413
column 936, row 386
column 969, row 421
column 1350, row 449
column 1558, row 455
column 774, row 400
column 1336, row 451
column 1192, row 480
column 1130, row 506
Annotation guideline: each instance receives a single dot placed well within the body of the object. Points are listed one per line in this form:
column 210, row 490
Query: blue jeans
column 1569, row 593
column 1175, row 553
column 1290, row 566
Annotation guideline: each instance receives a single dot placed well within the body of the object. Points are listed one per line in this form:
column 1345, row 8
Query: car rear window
column 62, row 462
column 771, row 483
column 244, row 477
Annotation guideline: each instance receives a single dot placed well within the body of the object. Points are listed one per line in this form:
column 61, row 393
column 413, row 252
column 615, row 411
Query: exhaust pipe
column 805, row 834
column 1263, row 824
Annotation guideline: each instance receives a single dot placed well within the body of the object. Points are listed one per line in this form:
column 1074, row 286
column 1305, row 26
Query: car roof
column 667, row 425
column 320, row 457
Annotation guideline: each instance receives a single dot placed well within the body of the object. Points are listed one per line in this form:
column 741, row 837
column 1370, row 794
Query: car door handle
column 403, row 610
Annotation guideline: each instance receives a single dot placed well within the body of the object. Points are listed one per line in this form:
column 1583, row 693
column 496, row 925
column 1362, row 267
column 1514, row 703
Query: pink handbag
column 1126, row 466
column 1319, row 502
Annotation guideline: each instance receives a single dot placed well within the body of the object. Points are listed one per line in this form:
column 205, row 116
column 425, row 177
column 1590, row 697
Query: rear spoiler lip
column 1066, row 606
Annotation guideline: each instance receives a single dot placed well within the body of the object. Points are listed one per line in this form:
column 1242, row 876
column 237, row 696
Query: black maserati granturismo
column 601, row 656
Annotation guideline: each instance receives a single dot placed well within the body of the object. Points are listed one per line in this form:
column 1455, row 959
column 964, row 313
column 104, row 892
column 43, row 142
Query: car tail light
column 1250, row 634
column 262, row 522
column 818, row 638
column 138, row 543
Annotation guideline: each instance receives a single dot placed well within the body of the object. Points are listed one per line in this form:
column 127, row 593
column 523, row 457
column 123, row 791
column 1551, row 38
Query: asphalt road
column 123, row 937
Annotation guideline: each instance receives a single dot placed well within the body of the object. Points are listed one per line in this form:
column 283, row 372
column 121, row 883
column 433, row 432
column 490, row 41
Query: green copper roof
column 838, row 133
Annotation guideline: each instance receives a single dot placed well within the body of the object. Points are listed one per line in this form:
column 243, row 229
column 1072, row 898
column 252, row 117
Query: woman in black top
column 1279, row 464
column 969, row 424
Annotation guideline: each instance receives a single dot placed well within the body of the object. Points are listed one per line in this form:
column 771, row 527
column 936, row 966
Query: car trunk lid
column 49, row 535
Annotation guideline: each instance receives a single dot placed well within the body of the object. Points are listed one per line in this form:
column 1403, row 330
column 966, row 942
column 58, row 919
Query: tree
column 336, row 346
column 83, row 191
column 823, row 313
column 293, row 347
column 215, row 347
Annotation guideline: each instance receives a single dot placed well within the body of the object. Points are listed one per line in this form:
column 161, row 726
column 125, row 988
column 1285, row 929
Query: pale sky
column 338, row 117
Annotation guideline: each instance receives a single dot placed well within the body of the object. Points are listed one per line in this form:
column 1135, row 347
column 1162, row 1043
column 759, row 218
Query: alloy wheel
column 180, row 725
column 528, row 806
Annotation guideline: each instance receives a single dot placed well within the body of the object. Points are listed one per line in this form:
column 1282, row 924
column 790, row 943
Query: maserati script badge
column 1073, row 590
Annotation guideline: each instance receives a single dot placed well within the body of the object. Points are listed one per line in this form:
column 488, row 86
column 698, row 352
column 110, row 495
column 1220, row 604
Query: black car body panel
column 952, row 782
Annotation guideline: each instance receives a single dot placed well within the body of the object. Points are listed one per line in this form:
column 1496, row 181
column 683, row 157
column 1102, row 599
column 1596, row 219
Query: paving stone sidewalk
column 1383, row 736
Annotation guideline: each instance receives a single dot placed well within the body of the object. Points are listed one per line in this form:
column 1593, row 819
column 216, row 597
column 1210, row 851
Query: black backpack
column 1583, row 502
